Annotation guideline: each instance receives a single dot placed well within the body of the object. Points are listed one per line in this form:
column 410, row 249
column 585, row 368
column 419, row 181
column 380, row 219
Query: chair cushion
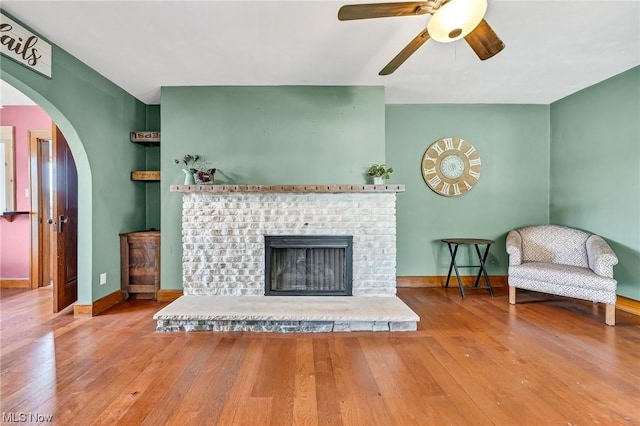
column 563, row 275
column 554, row 244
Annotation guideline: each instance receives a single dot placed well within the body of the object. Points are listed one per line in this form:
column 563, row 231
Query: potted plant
column 380, row 173
column 195, row 170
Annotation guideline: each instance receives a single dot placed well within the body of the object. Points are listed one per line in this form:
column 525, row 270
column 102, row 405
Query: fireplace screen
column 308, row 265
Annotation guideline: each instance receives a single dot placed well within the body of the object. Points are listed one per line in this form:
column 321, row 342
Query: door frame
column 34, row 194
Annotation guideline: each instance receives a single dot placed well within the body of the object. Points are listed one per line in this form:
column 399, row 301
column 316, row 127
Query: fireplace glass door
column 308, row 265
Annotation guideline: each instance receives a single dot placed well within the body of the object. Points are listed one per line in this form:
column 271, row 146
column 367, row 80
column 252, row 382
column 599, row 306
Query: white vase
column 378, row 180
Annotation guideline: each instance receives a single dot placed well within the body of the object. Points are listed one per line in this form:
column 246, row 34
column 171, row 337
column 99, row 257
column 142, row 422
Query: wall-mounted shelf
column 146, row 143
column 146, row 175
column 9, row 216
column 286, row 189
column 146, row 138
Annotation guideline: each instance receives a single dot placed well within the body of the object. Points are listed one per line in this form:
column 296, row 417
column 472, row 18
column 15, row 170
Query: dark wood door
column 65, row 207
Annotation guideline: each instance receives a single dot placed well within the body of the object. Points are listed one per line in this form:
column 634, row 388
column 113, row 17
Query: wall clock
column 451, row 166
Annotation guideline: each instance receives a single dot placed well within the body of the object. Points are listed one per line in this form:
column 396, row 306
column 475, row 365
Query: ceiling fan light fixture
column 455, row 19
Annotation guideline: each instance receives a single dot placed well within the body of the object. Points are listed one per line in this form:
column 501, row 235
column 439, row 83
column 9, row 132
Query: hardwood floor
column 478, row 361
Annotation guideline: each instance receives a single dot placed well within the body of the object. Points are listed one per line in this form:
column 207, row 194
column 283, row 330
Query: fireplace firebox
column 305, row 265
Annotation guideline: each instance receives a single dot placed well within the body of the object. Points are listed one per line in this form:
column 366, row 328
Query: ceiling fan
column 450, row 21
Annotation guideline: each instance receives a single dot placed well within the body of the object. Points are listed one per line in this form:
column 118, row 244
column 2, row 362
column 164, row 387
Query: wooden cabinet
column 140, row 264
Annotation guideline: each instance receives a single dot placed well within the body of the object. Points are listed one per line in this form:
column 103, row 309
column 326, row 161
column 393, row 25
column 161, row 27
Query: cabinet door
column 140, row 263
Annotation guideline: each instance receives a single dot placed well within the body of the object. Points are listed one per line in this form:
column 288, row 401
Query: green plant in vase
column 380, row 173
column 196, row 171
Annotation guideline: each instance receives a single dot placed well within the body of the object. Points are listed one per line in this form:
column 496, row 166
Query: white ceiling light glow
column 455, row 19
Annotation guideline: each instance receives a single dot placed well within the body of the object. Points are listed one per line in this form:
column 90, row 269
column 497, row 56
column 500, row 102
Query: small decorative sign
column 24, row 47
column 145, row 136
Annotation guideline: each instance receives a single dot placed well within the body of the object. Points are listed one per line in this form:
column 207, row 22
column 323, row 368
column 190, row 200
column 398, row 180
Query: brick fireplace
column 224, row 229
column 223, row 235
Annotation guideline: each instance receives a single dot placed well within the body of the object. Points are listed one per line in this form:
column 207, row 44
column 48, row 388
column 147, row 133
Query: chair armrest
column 601, row 257
column 514, row 247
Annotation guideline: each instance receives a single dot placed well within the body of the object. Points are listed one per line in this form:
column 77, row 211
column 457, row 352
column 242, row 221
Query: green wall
column 95, row 117
column 595, row 169
column 152, row 163
column 513, row 190
column 265, row 135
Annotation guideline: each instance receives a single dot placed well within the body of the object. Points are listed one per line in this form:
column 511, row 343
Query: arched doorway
column 79, row 159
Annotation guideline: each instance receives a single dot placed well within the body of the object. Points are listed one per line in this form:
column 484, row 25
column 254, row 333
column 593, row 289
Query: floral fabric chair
column 562, row 261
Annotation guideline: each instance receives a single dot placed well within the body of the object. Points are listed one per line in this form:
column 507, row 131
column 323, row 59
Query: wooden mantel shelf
column 271, row 189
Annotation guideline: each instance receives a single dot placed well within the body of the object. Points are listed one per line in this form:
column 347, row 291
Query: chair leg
column 512, row 295
column 610, row 314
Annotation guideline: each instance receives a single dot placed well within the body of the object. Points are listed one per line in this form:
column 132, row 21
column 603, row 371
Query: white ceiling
column 11, row 96
column 554, row 48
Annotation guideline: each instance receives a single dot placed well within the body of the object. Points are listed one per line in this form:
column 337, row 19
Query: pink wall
column 14, row 236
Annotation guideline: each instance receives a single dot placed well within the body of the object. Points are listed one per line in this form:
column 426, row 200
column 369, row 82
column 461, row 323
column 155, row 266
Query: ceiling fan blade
column 484, row 41
column 404, row 54
column 380, row 10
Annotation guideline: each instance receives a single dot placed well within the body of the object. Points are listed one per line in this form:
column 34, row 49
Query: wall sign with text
column 21, row 45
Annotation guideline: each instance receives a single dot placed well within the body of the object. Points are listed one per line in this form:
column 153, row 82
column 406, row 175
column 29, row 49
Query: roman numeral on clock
column 445, row 188
column 434, row 181
column 437, row 148
column 430, row 158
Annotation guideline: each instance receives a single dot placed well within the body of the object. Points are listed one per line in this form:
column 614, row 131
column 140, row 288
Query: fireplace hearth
column 308, row 265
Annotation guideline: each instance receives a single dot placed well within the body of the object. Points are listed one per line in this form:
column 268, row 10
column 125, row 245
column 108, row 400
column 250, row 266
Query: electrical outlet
column 103, row 278
column 26, row 193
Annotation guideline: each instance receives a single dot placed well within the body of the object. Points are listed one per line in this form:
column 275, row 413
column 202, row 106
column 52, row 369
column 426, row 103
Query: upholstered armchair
column 562, row 261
